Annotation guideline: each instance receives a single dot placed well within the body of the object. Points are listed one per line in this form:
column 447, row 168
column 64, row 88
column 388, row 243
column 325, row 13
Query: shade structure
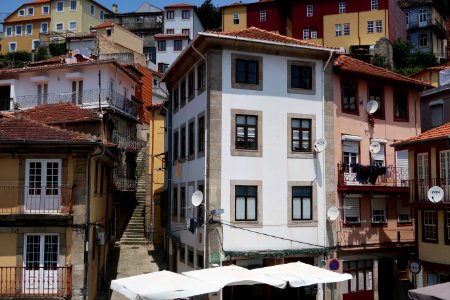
column 432, row 292
column 162, row 285
column 234, row 275
column 300, row 274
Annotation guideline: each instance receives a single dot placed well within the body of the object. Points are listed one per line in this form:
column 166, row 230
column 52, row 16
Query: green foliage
column 57, row 49
column 379, row 61
column 210, row 15
column 16, row 59
column 41, row 54
column 407, row 61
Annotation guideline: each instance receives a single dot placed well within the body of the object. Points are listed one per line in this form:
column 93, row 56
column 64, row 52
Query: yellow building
column 432, row 75
column 234, row 17
column 22, row 28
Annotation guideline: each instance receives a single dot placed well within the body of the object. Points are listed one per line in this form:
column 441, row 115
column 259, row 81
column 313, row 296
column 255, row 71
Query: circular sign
column 414, row 267
column 334, row 264
column 435, row 194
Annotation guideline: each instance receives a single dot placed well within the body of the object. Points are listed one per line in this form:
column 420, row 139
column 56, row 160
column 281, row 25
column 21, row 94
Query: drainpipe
column 88, row 221
column 152, row 163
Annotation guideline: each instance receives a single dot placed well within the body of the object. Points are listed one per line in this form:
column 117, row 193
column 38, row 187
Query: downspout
column 206, row 161
column 88, row 221
column 152, row 162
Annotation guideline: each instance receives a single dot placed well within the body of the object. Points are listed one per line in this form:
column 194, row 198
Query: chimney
column 115, row 8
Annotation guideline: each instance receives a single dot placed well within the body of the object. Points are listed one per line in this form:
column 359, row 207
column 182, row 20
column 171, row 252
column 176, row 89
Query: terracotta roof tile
column 60, row 113
column 52, row 60
column 349, row 64
column 435, row 133
column 21, row 129
column 37, row 2
column 170, row 36
column 104, row 25
column 179, row 5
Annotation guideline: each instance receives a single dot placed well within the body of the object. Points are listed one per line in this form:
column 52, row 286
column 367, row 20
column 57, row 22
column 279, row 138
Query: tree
column 210, row 15
column 408, row 61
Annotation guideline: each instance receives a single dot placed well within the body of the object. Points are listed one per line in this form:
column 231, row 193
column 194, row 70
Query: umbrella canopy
column 432, row 292
column 234, row 275
column 301, row 274
column 162, row 285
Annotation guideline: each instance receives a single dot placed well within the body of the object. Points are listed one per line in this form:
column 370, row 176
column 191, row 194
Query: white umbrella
column 432, row 292
column 234, row 275
column 301, row 274
column 161, row 285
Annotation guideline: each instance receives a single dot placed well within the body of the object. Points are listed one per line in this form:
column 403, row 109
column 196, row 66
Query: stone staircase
column 135, row 232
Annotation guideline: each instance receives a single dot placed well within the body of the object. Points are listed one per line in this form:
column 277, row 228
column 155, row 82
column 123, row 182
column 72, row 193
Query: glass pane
column 240, row 120
column 251, row 209
column 295, row 134
column 306, row 208
column 360, row 264
column 252, row 67
column 353, row 264
column 240, row 131
column 305, row 123
column 295, row 123
column 295, row 145
column 368, row 280
column 305, row 145
column 296, row 208
column 251, row 120
column 252, row 191
column 251, row 132
column 305, row 135
column 240, row 208
column 353, row 282
column 361, row 280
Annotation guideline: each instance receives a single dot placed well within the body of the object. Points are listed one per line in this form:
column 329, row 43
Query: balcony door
column 77, row 92
column 40, row 261
column 422, row 175
column 42, row 186
column 444, row 171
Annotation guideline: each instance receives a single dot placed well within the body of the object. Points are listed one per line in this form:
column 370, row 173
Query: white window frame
column 92, row 10
column 342, row 7
column 56, row 26
column 379, row 26
column 309, row 10
column 15, row 46
column 378, row 209
column 70, row 25
column 10, row 28
column 314, row 34
column 73, row 5
column 262, row 15
column 444, row 168
column 43, row 9
column 422, row 16
column 15, row 30
column 422, row 166
column 235, row 18
column 374, row 4
column 338, row 29
column 306, row 33
column 346, row 29
column 32, row 11
column 430, row 225
column 21, row 12
column 351, row 208
column 370, row 27
column 403, row 212
column 26, row 29
column 57, row 6
column 41, row 29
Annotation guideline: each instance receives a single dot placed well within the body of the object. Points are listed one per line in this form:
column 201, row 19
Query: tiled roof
column 437, row 133
column 349, row 64
column 243, row 4
column 170, row 36
column 179, row 5
column 104, row 25
column 37, row 2
column 52, row 60
column 255, row 33
column 25, row 130
column 60, row 113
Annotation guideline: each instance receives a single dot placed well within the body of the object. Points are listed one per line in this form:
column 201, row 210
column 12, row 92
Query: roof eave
column 407, row 143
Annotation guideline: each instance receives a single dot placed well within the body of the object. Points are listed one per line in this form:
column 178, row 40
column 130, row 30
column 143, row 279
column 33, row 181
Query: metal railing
column 428, row 22
column 127, row 143
column 105, row 98
column 418, row 189
column 124, row 184
column 35, row 281
column 17, row 199
column 372, row 175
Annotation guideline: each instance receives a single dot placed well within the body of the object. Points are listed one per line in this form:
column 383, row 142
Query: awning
column 301, row 274
column 234, row 275
column 432, row 292
column 162, row 285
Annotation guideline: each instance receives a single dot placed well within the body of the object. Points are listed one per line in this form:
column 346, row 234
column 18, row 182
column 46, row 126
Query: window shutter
column 403, row 212
column 350, row 146
column 379, row 204
column 380, row 154
column 351, row 209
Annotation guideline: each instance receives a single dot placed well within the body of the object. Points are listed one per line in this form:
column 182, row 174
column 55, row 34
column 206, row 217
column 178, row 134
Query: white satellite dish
column 435, row 194
column 375, row 147
column 371, row 107
column 197, row 198
column 320, row 145
column 333, row 213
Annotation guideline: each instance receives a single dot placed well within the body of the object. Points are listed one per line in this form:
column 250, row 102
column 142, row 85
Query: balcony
column 32, row 281
column 419, row 191
column 127, row 143
column 371, row 178
column 131, row 108
column 25, row 200
column 439, row 26
column 124, row 184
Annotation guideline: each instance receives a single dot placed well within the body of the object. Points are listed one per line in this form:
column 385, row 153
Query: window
column 161, row 46
column 349, row 96
column 59, row 26
column 18, row 29
column 176, row 146
column 351, row 210
column 306, row 34
column 102, row 15
column 422, row 17
column 407, row 18
column 437, row 115
column 60, row 6
column 423, row 39
column 182, row 93
column 362, row 276
column 176, row 99
column 162, row 67
column 309, row 10
column 301, row 135
column 35, row 44
column 378, row 209
column 92, row 10
column 175, row 202
column 183, row 143
column 41, row 261
column 170, row 14
column 77, row 91
column 379, row 25
column 374, row 4
column 301, row 77
column 108, row 31
column 45, row 10
column 200, row 262
column 182, row 253
column 183, row 200
column 21, row 12
column 44, row 27
column 73, row 5
column 186, row 14
column 190, row 256
column 191, row 139
column 246, row 198
column 301, row 203
column 350, row 152
column 369, row 26
column 246, row 132
column 347, row 29
column 8, row 31
column 191, row 85
column 185, row 31
column 378, row 159
column 338, row 29
column 447, row 226
column 403, row 212
column 401, row 105
column 12, row 47
column 429, row 227
column 201, row 73
column 314, row 34
column 29, row 29
column 30, row 11
column 444, row 169
column 42, row 92
column 246, row 71
column 72, row 25
column 170, row 31
column 262, row 15
column 177, row 45
column 376, row 94
column 236, row 18
column 201, row 134
column 342, row 7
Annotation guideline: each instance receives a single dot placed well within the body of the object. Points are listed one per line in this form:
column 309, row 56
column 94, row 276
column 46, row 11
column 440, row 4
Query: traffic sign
column 334, row 264
column 414, row 267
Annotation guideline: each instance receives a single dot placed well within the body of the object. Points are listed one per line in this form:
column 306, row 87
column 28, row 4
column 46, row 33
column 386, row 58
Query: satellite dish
column 197, row 198
column 333, row 213
column 371, row 107
column 435, row 194
column 375, row 147
column 320, row 145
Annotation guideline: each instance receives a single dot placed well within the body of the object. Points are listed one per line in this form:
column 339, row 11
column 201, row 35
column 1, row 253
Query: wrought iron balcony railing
column 126, row 142
column 429, row 22
column 18, row 200
column 418, row 189
column 124, row 184
column 35, row 281
column 88, row 98
column 358, row 174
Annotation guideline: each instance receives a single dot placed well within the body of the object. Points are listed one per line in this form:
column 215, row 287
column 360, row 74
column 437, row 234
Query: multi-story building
column 429, row 167
column 181, row 25
column 434, row 107
column 231, row 96
column 426, row 27
column 374, row 233
column 22, row 28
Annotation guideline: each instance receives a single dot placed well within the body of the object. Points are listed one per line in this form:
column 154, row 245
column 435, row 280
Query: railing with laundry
column 359, row 174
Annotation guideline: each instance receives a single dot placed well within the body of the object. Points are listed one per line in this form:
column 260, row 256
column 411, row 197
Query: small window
column 8, row 31
column 175, row 202
column 422, row 16
column 309, row 10
column 246, row 71
column 102, row 15
column 314, row 34
column 177, row 45
column 73, row 26
column 73, row 5
column 429, row 225
column 437, row 115
column 201, row 134
column 349, row 96
column 176, row 143
column 351, row 210
column 183, row 196
column 176, row 99
column 403, row 212
column 306, row 34
column 170, row 14
column 347, row 29
column 342, row 7
column 185, row 31
column 200, row 262
column 186, row 14
column 30, row 11
column 191, row 85
column 35, row 44
column 108, row 31
column 45, row 10
column 374, row 4
column 338, row 29
column 182, row 253
column 401, row 105
column 423, row 39
column 236, row 18
column 44, row 27
column 191, row 140
column 161, row 46
column 29, row 29
column 301, row 203
column 59, row 27
column 170, row 31
column 301, row 135
column 246, row 198
column 246, row 132
column 60, row 6
column 379, row 210
column 92, row 9
column 376, row 94
column 183, row 93
column 262, row 15
column 12, row 47
column 301, row 77
column 369, row 26
column 379, row 26
column 162, row 67
column 201, row 76
column 18, row 30
column 190, row 256
column 21, row 12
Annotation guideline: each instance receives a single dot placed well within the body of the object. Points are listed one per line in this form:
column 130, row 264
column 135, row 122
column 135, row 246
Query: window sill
column 400, row 120
column 303, row 223
column 253, row 224
column 304, row 155
column 379, row 224
column 245, row 152
column 350, row 112
column 430, row 241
